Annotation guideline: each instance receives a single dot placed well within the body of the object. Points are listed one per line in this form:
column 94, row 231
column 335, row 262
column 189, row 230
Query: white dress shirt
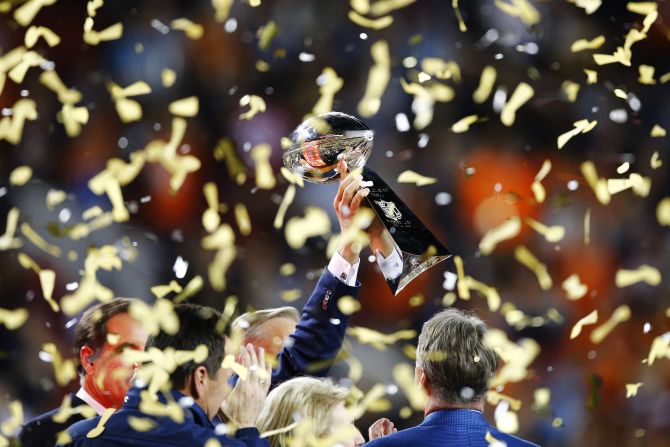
column 83, row 395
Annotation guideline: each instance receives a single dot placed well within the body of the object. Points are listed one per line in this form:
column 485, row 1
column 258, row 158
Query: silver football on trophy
column 320, row 142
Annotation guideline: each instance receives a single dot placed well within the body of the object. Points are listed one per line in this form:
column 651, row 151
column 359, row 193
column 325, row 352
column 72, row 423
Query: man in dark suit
column 453, row 367
column 103, row 332
column 180, row 413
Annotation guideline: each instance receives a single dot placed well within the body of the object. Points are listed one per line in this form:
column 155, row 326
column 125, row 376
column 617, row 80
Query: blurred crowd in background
column 484, row 176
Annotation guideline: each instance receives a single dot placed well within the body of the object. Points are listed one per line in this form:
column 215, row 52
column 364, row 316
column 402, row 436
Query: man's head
column 268, row 328
column 453, row 364
column 102, row 334
column 206, row 382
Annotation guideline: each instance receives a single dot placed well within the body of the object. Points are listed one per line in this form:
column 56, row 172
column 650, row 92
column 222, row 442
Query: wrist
column 348, row 253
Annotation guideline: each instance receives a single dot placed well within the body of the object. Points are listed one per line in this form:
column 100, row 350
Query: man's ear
column 421, row 379
column 86, row 354
column 199, row 381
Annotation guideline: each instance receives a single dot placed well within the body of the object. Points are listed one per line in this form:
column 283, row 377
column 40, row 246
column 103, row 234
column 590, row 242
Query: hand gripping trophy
column 316, row 148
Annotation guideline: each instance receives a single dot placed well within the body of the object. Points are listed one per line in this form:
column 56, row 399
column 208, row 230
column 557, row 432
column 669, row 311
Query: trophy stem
column 418, row 248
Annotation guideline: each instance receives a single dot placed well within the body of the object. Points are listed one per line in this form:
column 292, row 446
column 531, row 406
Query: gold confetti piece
column 106, row 258
column 521, row 95
column 163, row 291
column 516, row 356
column 287, row 269
column 506, row 230
column 508, row 422
column 117, row 173
column 149, row 405
column 48, row 281
column 11, row 127
column 13, row 319
column 38, row 241
column 403, row 375
column 35, row 32
column 256, row 105
column 225, row 150
column 581, row 126
column 92, row 212
column 290, row 295
column 461, row 23
column 330, row 84
column 414, row 177
column 537, row 187
column 291, row 176
column 587, row 226
column 525, row 257
column 494, row 398
column 383, row 7
column 658, row 131
column 27, row 12
column 663, row 79
column 376, row 24
column 622, row 169
column 585, row 44
column 194, row 286
column 591, row 76
column 73, row 118
column 662, row 213
column 93, row 37
column 168, row 77
column 378, row 340
column 641, row 186
column 97, row 431
column 64, row 370
column 348, row 305
column 570, row 90
column 551, row 234
column 541, row 400
column 621, row 314
column 128, row 109
column 660, row 348
column 574, row 288
column 522, row 9
column 463, row 125
column 486, row 83
column 15, row 421
column 591, row 318
column 425, row 98
column 619, row 93
column 646, row 75
column 193, row 31
column 7, row 240
column 186, row 107
column 222, row 9
column 223, row 241
column 590, row 6
column 632, row 388
column 289, row 196
column 493, row 441
column 141, row 424
column 417, row 300
column 597, row 184
column 644, row 273
column 378, row 79
column 242, row 219
column 405, row 412
column 441, row 69
column 20, row 176
column 160, row 317
column 265, row 178
column 655, row 162
column 179, row 166
column 53, row 82
column 643, row 8
column 298, row 229
column 211, row 218
column 266, row 33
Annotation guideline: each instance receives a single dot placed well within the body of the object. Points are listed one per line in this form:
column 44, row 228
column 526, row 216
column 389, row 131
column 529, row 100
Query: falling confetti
column 486, row 83
column 585, row 44
column 415, row 178
column 574, row 289
column 521, row 95
column 186, row 107
column 192, row 30
column 525, row 257
column 644, row 273
column 591, row 318
column 632, row 389
column 378, row 79
column 581, row 126
column 522, row 9
column 256, row 105
column 507, row 230
column 538, row 190
column 620, row 314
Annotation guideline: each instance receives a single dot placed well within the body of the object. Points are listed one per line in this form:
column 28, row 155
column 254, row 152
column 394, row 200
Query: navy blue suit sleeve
column 318, row 337
column 251, row 437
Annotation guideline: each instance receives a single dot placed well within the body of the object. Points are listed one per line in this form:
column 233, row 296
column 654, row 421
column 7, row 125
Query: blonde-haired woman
column 313, row 408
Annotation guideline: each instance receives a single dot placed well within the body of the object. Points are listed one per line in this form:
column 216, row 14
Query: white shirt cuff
column 391, row 267
column 342, row 270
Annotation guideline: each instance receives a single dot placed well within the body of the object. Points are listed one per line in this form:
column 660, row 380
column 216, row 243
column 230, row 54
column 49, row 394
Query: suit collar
column 459, row 416
column 192, row 412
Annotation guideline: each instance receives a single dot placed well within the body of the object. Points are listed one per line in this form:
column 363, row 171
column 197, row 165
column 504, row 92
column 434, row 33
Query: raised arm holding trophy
column 318, row 144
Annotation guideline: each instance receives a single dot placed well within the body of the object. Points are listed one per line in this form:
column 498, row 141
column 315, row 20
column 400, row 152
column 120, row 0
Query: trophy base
column 398, row 229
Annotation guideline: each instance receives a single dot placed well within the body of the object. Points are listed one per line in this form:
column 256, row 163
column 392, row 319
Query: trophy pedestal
column 417, row 247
